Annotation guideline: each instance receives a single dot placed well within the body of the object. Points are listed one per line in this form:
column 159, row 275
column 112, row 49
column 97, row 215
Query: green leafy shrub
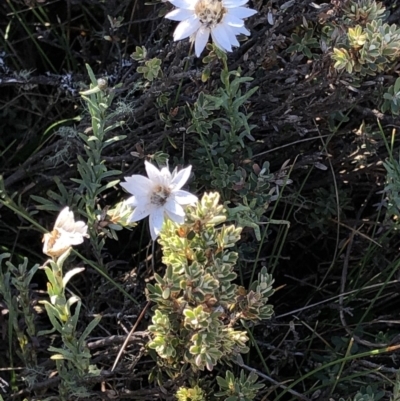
column 368, row 50
column 363, row 11
column 190, row 394
column 224, row 159
column 304, row 42
column 391, row 98
column 366, row 393
column 198, row 305
column 238, row 389
column 151, row 69
column 15, row 290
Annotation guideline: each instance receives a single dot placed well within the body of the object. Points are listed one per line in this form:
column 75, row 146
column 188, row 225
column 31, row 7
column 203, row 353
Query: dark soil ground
column 305, row 112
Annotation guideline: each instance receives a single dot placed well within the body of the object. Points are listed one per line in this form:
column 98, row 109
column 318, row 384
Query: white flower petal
column 201, row 40
column 47, row 239
column 233, row 3
column 65, row 220
column 137, row 185
column 231, row 36
column 140, row 212
column 74, row 236
column 223, row 37
column 166, row 176
column 173, row 207
column 179, row 180
column 220, row 38
column 64, row 217
column 54, row 248
column 72, row 239
column 156, row 221
column 175, row 217
column 232, row 20
column 185, row 198
column 131, row 201
column 153, row 173
column 187, row 4
column 179, row 14
column 68, row 225
column 160, row 186
column 80, row 226
column 187, row 28
column 240, row 30
column 66, row 232
column 241, row 12
column 142, row 200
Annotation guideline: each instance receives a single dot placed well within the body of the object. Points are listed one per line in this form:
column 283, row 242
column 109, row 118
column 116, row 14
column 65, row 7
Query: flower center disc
column 209, row 12
column 160, row 195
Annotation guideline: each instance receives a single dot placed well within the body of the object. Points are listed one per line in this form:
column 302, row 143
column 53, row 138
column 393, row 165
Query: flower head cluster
column 158, row 195
column 66, row 232
column 223, row 19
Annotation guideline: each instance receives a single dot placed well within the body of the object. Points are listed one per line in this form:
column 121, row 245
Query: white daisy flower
column 158, row 195
column 66, row 232
column 223, row 19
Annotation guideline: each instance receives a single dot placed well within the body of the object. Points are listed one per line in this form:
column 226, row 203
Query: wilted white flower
column 223, row 19
column 157, row 195
column 66, row 232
